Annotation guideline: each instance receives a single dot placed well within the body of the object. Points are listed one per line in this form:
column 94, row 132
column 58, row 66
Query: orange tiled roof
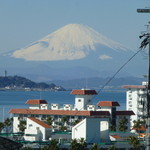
column 108, row 103
column 142, row 128
column 124, row 112
column 41, row 123
column 116, row 136
column 84, row 92
column 60, row 112
column 134, row 86
column 36, row 101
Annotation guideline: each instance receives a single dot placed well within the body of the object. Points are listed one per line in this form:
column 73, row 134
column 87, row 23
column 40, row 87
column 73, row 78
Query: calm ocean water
column 17, row 99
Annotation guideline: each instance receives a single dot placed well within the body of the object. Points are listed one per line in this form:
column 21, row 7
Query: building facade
column 69, row 115
column 136, row 100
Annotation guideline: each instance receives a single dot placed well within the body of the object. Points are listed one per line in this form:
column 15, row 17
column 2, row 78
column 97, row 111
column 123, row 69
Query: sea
column 17, row 99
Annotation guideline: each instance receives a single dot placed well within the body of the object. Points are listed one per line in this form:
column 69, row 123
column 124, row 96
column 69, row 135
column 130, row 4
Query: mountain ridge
column 71, row 42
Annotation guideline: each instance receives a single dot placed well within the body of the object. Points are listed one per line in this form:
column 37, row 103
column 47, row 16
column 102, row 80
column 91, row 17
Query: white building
column 37, row 130
column 136, row 99
column 69, row 115
column 92, row 130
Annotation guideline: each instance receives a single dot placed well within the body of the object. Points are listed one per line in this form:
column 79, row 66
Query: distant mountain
column 71, row 42
column 21, row 83
column 98, row 82
column 72, row 52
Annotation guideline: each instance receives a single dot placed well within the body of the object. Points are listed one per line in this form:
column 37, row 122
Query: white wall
column 81, row 101
column 34, row 128
column 91, row 129
column 15, row 124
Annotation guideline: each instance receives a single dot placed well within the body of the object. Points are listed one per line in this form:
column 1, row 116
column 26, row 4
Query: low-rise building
column 67, row 117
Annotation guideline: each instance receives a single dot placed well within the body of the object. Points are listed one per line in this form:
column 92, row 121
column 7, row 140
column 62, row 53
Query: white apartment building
column 136, row 99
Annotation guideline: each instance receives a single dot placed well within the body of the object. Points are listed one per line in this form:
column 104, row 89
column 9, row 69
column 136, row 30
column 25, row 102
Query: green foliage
column 52, row 146
column 134, row 141
column 49, row 120
column 62, row 128
column 1, row 126
column 138, row 124
column 112, row 148
column 78, row 144
column 27, row 148
column 123, row 124
column 22, row 125
column 8, row 124
column 95, row 147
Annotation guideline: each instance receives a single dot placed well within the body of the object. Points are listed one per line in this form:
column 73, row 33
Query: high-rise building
column 136, row 100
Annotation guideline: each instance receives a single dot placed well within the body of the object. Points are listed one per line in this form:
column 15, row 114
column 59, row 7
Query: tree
column 52, row 146
column 49, row 120
column 27, row 148
column 62, row 128
column 8, row 124
column 78, row 144
column 22, row 125
column 1, row 126
column 95, row 147
column 123, row 124
column 112, row 147
column 134, row 141
column 64, row 120
column 138, row 124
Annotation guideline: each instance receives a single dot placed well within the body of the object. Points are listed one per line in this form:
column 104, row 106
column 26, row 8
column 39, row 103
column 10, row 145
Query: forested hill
column 17, row 82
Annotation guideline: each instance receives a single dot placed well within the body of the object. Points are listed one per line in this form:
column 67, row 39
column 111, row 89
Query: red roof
column 134, row 86
column 36, row 101
column 60, row 112
column 116, row 136
column 108, row 103
column 41, row 123
column 84, row 92
column 142, row 128
column 125, row 113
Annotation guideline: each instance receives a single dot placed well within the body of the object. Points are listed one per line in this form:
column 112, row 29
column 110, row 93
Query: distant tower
column 83, row 98
column 5, row 73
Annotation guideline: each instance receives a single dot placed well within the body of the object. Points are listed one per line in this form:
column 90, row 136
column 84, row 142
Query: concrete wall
column 93, row 130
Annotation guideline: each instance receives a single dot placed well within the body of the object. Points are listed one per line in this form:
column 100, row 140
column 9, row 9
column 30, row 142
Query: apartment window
column 130, row 102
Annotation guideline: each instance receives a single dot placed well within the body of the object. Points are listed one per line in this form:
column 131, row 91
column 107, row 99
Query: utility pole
column 144, row 43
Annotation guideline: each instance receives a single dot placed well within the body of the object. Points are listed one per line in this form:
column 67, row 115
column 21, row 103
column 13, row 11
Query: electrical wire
column 110, row 79
column 113, row 76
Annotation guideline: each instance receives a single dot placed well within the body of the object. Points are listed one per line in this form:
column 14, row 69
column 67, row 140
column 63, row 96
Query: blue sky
column 25, row 21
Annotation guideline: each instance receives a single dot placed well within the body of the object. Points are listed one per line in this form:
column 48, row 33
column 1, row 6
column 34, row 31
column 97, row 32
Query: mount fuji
column 71, row 52
column 71, row 42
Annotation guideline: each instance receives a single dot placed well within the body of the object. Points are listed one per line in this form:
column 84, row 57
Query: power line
column 119, row 70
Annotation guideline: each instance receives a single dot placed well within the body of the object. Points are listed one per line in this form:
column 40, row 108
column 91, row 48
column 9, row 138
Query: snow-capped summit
column 73, row 41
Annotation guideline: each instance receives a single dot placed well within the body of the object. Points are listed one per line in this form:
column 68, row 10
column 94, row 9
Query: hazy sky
column 25, row 21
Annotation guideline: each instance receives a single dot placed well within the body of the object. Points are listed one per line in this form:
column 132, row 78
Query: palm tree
column 8, row 124
column 1, row 126
column 95, row 147
column 52, row 146
column 49, row 120
column 22, row 125
column 134, row 141
column 78, row 144
column 123, row 124
column 112, row 147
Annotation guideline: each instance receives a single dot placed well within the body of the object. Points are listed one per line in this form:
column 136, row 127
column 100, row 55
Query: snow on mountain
column 73, row 41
